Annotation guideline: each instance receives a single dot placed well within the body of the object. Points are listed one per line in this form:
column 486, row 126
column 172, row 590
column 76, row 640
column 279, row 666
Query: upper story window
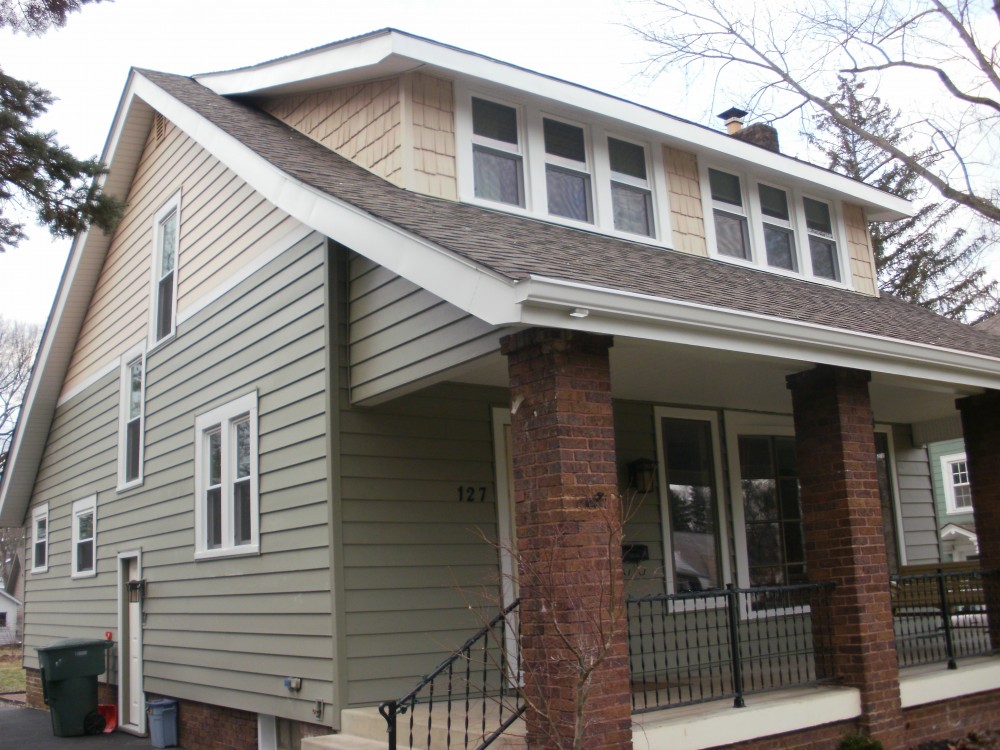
column 631, row 197
column 40, row 539
column 567, row 174
column 131, row 416
column 764, row 225
column 84, row 537
column 957, row 489
column 163, row 317
column 226, row 479
column 524, row 159
column 496, row 153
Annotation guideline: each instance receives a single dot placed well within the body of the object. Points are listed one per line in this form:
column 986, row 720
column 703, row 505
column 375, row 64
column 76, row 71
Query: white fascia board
column 548, row 302
column 391, row 52
column 451, row 277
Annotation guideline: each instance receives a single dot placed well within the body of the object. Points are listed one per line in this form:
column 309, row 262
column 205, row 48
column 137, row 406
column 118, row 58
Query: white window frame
column 534, row 160
column 584, row 169
column 41, row 513
column 87, row 505
column 712, row 417
column 223, row 419
column 951, row 506
column 750, row 192
column 129, row 358
column 628, row 181
column 515, row 150
column 171, row 207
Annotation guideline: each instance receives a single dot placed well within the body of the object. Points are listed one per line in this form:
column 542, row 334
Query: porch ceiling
column 686, row 375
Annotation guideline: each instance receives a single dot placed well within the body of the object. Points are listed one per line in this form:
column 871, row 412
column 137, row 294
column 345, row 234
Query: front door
column 131, row 708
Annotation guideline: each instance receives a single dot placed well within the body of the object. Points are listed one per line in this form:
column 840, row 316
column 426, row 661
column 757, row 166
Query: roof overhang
column 390, row 52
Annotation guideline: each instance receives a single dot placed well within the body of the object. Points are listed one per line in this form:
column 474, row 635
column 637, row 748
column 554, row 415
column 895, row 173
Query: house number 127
column 471, row 494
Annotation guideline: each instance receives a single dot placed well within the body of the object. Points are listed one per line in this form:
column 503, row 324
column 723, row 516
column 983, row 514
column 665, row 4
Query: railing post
column 388, row 711
column 732, row 610
column 946, row 615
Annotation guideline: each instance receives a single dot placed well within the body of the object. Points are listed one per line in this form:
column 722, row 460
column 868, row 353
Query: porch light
column 642, row 474
column 579, row 312
column 136, row 591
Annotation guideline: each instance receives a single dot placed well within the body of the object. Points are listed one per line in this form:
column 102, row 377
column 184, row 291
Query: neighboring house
column 10, row 608
column 13, row 586
column 365, row 296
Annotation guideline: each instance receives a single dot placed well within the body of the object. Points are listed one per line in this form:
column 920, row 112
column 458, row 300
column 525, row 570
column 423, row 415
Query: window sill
column 154, row 345
column 247, row 550
column 85, row 574
column 129, row 485
column 798, row 275
column 35, row 571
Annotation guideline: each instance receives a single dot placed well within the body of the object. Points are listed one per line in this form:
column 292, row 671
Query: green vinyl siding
column 224, row 631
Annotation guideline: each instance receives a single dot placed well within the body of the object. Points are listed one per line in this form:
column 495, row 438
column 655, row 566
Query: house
column 11, row 611
column 389, row 335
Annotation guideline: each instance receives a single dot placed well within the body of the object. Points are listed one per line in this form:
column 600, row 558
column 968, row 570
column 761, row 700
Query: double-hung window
column 84, row 561
column 732, row 231
column 957, row 489
column 226, row 521
column 822, row 245
column 166, row 230
column 567, row 171
column 779, row 236
column 40, row 539
column 131, row 417
column 631, row 198
column 498, row 164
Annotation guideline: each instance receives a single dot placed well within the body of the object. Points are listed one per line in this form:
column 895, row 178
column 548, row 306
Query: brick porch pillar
column 981, row 429
column 574, row 652
column 842, row 523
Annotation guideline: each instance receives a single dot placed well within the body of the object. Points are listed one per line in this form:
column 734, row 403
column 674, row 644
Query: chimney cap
column 732, row 113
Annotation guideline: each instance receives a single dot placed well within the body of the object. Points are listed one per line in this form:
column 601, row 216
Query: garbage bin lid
column 69, row 644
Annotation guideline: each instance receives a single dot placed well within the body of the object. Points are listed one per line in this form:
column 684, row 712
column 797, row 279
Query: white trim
column 123, row 613
column 722, row 526
column 505, row 496
column 948, row 483
column 938, row 683
column 718, row 724
column 107, row 368
column 82, row 507
column 171, row 208
column 136, row 354
column 39, row 513
column 223, row 419
column 267, row 732
column 897, row 505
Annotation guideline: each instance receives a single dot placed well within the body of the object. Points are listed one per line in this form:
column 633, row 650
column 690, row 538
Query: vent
column 159, row 127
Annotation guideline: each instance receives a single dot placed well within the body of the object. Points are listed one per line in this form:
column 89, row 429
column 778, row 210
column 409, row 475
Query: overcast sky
column 86, row 64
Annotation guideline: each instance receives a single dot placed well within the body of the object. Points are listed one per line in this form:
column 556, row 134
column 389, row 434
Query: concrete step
column 342, row 742
column 369, row 724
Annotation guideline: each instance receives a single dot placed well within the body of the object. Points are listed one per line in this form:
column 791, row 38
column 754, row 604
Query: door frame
column 124, row 649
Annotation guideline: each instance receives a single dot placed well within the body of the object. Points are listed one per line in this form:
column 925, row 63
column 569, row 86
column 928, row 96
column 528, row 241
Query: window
column 631, row 199
column 84, row 537
column 779, row 237
column 130, row 417
column 567, row 175
column 164, row 281
column 957, row 490
column 496, row 153
column 688, row 444
column 40, row 539
column 226, row 479
column 822, row 246
column 732, row 235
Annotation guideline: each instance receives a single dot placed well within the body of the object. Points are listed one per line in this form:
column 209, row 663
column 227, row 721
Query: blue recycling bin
column 162, row 722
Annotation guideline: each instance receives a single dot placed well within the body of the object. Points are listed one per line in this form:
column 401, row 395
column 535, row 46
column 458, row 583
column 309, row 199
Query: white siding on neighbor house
column 400, row 333
column 223, row 631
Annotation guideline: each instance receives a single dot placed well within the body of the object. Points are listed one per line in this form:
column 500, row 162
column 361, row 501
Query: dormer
column 456, row 125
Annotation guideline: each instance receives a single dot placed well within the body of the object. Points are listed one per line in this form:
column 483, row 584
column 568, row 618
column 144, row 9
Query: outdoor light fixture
column 579, row 312
column 136, row 591
column 642, row 474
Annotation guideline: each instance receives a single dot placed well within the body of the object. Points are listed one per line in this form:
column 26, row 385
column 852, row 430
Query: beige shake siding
column 432, row 113
column 224, row 227
column 687, row 219
column 859, row 249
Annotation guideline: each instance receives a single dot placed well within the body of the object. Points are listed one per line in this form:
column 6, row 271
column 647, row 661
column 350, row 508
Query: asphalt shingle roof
column 516, row 247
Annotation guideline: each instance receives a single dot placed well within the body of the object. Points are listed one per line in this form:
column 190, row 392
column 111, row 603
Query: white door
column 131, row 705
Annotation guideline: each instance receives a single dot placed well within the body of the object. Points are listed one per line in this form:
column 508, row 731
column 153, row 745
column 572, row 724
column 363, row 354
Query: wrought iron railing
column 470, row 699
column 942, row 616
column 711, row 645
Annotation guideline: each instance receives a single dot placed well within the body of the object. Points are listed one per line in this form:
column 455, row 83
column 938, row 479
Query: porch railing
column 704, row 646
column 470, row 698
column 941, row 616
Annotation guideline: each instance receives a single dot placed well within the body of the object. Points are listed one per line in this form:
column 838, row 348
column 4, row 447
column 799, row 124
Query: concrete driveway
column 31, row 729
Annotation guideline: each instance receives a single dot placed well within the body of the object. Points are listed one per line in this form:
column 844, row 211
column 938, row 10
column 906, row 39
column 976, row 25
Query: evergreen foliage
column 37, row 16
column 928, row 259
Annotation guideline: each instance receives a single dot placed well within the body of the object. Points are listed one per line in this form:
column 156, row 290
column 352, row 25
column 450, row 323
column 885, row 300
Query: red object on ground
column 110, row 713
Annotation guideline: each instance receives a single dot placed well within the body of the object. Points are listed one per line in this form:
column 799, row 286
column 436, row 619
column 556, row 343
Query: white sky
column 86, row 64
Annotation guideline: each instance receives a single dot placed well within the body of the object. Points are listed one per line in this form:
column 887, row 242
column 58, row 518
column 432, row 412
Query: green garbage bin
column 69, row 670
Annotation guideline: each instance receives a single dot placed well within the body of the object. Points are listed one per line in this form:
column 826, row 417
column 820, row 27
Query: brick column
column 981, row 429
column 574, row 652
column 842, row 523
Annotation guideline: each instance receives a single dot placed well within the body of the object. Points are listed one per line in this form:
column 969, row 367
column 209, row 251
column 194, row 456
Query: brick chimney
column 759, row 133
